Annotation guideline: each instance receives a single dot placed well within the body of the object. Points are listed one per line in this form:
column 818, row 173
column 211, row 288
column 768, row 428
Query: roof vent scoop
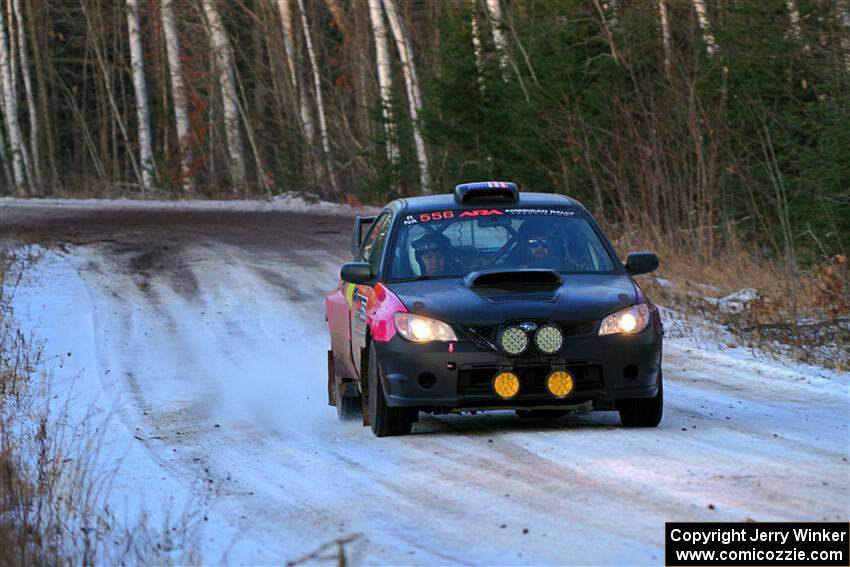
column 487, row 192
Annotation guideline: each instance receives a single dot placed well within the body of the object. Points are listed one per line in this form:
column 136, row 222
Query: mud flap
column 364, row 385
column 331, row 382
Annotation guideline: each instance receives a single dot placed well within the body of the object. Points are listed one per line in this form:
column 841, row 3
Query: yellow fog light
column 506, row 385
column 560, row 383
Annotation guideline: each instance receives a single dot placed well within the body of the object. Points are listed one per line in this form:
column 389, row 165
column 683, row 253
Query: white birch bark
column 30, row 98
column 178, row 95
column 223, row 55
column 705, row 26
column 320, row 105
column 382, row 61
column 494, row 8
column 414, row 93
column 10, row 111
column 476, row 47
column 842, row 8
column 137, row 67
column 309, row 128
column 666, row 38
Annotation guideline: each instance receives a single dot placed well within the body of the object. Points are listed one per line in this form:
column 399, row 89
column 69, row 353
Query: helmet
column 537, row 227
column 433, row 241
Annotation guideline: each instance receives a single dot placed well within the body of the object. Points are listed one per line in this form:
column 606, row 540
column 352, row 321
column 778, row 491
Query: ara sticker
column 408, row 220
column 481, row 213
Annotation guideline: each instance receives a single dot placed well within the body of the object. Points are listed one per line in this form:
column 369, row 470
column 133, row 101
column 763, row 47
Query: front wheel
column 643, row 412
column 385, row 420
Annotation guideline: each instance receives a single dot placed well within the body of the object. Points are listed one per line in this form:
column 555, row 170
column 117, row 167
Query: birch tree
column 414, row 94
column 382, row 62
column 308, row 128
column 10, row 110
column 666, row 38
column 178, row 95
column 223, row 55
column 28, row 90
column 476, row 46
column 320, row 106
column 705, row 26
column 137, row 66
column 494, row 9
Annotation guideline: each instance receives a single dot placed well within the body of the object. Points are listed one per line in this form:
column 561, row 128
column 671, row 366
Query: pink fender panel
column 380, row 308
column 336, row 314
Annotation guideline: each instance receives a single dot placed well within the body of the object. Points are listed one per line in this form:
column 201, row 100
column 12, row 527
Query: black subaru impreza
column 490, row 299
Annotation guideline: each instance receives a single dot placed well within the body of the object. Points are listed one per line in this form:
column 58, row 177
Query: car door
column 371, row 251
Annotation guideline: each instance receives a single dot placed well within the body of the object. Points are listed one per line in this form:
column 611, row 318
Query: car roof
column 447, row 201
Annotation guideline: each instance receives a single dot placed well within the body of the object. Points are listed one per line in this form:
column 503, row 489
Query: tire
column 347, row 407
column 644, row 412
column 384, row 420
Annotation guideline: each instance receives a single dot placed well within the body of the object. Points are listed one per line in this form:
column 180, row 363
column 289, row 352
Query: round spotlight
column 513, row 340
column 549, row 339
column 506, row 385
column 560, row 383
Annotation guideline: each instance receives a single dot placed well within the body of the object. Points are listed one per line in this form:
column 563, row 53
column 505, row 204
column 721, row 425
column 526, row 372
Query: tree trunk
column 10, row 111
column 45, row 111
column 31, row 109
column 705, row 26
column 178, row 95
column 666, row 38
column 382, row 61
column 308, row 128
column 320, row 105
column 414, row 94
column 494, row 9
column 223, row 55
column 476, row 45
column 137, row 65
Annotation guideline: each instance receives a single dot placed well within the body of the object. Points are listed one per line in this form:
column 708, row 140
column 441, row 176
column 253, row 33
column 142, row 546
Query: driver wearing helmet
column 432, row 253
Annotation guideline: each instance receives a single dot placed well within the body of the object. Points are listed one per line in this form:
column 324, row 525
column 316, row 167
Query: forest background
column 703, row 124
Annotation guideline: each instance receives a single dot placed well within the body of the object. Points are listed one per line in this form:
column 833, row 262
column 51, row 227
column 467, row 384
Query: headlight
column 629, row 321
column 421, row 329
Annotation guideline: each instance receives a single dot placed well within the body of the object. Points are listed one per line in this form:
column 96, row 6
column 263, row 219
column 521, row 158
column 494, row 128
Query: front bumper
column 605, row 369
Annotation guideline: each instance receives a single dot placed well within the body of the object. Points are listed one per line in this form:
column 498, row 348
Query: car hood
column 577, row 297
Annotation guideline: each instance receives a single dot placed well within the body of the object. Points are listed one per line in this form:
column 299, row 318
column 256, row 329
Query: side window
column 373, row 248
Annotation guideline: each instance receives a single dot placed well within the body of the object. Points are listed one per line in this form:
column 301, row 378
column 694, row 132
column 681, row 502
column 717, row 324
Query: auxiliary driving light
column 513, row 340
column 549, row 339
column 506, row 385
column 560, row 383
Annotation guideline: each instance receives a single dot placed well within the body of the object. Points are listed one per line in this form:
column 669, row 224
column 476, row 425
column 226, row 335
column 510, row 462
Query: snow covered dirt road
column 203, row 331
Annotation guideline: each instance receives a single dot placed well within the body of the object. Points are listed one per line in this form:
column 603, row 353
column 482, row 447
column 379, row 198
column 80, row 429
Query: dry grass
column 53, row 491
column 803, row 314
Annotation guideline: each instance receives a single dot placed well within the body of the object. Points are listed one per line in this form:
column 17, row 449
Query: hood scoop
column 513, row 279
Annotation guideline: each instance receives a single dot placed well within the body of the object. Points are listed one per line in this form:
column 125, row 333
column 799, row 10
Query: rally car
column 489, row 298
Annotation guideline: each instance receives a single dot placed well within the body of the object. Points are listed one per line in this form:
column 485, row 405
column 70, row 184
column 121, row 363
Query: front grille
column 476, row 380
column 485, row 336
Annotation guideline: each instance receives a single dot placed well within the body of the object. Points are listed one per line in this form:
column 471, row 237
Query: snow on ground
column 295, row 202
column 217, row 387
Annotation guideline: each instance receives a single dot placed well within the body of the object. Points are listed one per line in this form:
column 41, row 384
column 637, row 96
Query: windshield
column 453, row 243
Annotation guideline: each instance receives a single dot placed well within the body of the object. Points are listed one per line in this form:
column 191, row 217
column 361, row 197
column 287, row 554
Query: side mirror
column 357, row 233
column 356, row 272
column 641, row 263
